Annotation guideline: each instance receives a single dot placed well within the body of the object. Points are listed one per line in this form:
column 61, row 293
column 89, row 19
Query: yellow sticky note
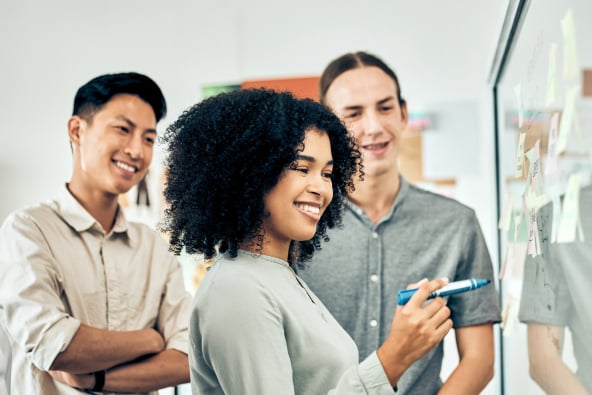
column 570, row 54
column 552, row 75
column 567, row 118
column 506, row 215
column 519, row 252
column 570, row 217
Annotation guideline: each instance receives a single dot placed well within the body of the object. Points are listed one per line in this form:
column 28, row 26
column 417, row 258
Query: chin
column 307, row 237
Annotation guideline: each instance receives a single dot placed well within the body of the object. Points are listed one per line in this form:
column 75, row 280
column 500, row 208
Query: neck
column 269, row 248
column 101, row 206
column 376, row 195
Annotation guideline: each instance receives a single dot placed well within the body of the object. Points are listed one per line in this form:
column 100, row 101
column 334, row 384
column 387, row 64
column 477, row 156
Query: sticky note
column 506, row 214
column 551, row 165
column 520, row 156
column 567, row 118
column 534, row 170
column 552, row 75
column 534, row 244
column 570, row 218
column 570, row 54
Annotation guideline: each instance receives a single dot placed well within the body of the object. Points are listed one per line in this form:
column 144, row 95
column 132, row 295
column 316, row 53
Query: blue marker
column 452, row 288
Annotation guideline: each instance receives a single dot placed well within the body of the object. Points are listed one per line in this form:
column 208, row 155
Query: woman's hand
column 416, row 328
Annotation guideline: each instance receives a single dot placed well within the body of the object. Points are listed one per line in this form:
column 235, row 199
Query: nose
column 371, row 123
column 134, row 147
column 321, row 187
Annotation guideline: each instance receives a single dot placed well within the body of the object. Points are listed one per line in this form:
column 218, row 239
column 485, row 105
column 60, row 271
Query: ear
column 74, row 126
column 404, row 113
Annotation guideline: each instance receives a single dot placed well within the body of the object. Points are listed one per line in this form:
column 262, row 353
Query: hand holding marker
column 455, row 287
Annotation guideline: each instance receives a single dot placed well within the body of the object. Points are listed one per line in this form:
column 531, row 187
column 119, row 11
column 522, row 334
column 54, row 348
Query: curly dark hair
column 227, row 152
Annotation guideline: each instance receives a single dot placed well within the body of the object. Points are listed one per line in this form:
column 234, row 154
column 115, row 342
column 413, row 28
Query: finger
column 425, row 290
column 443, row 329
column 434, row 306
column 417, row 284
column 437, row 283
column 441, row 314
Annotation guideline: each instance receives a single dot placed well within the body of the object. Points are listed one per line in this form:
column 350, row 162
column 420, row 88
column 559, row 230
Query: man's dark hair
column 93, row 95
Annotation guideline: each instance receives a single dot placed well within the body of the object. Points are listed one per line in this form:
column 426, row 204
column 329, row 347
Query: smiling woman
column 255, row 180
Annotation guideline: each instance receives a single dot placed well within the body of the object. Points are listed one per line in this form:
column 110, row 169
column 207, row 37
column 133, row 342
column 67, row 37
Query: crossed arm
column 136, row 361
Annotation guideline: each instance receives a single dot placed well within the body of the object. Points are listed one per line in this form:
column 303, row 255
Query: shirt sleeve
column 482, row 305
column 31, row 309
column 175, row 308
column 366, row 378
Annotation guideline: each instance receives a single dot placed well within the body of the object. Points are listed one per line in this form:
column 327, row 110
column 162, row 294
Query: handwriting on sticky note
column 520, row 156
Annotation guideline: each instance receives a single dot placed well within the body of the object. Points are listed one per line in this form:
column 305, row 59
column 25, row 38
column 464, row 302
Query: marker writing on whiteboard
column 452, row 288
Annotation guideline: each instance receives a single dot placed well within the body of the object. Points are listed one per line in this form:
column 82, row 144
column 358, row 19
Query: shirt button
column 373, row 323
column 374, row 278
column 374, row 235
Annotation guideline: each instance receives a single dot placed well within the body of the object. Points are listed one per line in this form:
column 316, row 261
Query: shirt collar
column 78, row 218
column 401, row 195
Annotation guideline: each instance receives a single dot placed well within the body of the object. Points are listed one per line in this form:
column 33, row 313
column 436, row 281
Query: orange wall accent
column 301, row 87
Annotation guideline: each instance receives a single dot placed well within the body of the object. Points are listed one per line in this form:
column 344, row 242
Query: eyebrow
column 380, row 102
column 311, row 159
column 132, row 124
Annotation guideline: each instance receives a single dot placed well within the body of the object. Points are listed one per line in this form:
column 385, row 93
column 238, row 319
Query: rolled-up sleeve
column 175, row 309
column 31, row 308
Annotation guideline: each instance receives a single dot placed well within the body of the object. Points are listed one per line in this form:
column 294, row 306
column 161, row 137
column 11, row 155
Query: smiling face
column 113, row 148
column 365, row 99
column 299, row 199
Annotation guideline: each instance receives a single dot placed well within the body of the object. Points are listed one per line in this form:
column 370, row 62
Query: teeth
column 308, row 208
column 125, row 167
column 375, row 146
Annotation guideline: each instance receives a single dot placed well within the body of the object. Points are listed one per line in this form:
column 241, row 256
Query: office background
column 443, row 52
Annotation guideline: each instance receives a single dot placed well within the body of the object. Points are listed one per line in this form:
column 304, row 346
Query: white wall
column 442, row 51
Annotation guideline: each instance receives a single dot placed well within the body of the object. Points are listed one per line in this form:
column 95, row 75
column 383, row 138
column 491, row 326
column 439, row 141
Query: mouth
column 311, row 210
column 126, row 167
column 375, row 146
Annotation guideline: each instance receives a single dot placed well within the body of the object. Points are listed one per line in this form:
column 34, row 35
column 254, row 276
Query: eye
column 351, row 115
column 296, row 167
column 121, row 128
column 328, row 174
column 386, row 108
column 150, row 140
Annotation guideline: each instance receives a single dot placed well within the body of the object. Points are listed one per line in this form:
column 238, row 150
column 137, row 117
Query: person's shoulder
column 231, row 280
column 35, row 213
